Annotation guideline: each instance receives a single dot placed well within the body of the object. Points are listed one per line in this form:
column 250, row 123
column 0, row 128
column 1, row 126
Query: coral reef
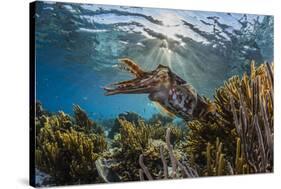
column 245, row 111
column 82, row 120
column 105, row 171
column 66, row 150
column 216, row 163
column 236, row 139
column 253, row 118
column 160, row 119
column 144, row 139
column 40, row 110
column 178, row 170
column 129, row 116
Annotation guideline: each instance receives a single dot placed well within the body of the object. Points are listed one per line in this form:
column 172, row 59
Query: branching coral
column 160, row 119
column 136, row 137
column 216, row 162
column 129, row 116
column 133, row 140
column 82, row 120
column 179, row 170
column 253, row 118
column 245, row 111
column 142, row 138
column 64, row 151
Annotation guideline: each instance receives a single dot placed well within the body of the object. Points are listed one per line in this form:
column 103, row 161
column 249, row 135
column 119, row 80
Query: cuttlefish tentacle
column 166, row 88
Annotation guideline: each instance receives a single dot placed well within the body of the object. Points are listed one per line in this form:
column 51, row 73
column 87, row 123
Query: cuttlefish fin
column 163, row 110
column 132, row 67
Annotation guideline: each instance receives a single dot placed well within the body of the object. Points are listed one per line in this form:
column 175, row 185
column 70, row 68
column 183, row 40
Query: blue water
column 78, row 47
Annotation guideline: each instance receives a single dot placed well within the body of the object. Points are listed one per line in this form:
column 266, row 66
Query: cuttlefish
column 165, row 88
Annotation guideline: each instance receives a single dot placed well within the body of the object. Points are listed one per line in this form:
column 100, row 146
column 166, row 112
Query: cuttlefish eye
column 162, row 75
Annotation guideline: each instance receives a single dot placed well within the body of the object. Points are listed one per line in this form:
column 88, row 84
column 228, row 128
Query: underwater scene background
column 78, row 47
column 84, row 136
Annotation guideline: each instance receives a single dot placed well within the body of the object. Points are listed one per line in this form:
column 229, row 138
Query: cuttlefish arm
column 166, row 88
column 131, row 67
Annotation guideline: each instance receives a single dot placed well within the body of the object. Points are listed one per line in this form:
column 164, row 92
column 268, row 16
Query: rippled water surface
column 78, row 47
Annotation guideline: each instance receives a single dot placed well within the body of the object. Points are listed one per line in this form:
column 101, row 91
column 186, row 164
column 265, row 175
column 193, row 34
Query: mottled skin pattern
column 163, row 87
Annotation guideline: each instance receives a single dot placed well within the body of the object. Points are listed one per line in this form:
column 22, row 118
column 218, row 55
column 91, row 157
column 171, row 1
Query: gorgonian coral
column 142, row 138
column 244, row 110
column 65, row 150
column 178, row 169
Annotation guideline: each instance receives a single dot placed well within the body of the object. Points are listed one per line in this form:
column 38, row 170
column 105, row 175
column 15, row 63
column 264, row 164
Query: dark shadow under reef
column 237, row 139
